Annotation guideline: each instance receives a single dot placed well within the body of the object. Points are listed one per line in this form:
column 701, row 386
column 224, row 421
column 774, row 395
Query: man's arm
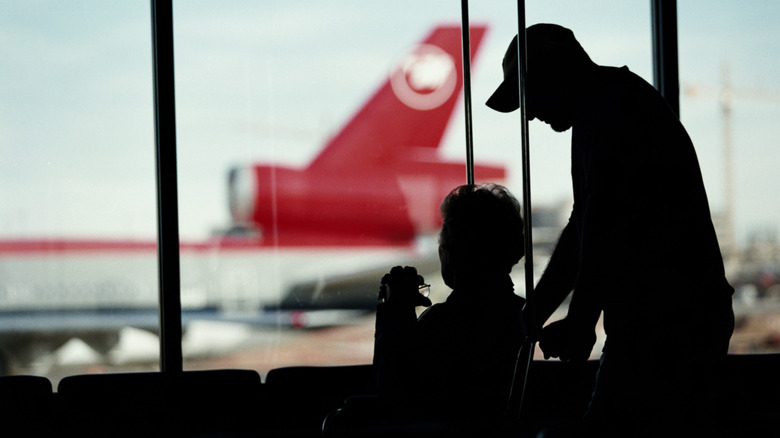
column 394, row 361
column 396, row 340
column 559, row 276
column 572, row 338
column 598, row 242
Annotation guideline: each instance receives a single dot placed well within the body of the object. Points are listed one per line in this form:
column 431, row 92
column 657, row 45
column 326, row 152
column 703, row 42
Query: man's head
column 481, row 233
column 555, row 63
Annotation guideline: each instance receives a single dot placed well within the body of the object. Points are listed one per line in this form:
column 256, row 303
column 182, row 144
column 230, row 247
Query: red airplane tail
column 380, row 180
column 410, row 110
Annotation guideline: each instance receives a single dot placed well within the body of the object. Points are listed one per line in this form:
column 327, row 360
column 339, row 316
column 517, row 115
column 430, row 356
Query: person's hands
column 568, row 341
column 401, row 286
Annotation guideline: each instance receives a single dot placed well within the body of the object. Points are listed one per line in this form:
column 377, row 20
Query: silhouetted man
column 639, row 245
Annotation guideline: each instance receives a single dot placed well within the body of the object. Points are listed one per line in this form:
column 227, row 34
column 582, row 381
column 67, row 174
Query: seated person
column 458, row 357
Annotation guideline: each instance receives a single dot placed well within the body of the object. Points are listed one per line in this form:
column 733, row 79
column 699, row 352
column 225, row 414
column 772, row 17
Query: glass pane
column 263, row 89
column 77, row 228
column 730, row 101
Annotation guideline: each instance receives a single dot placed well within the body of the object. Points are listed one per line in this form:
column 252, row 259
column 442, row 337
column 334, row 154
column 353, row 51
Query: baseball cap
column 541, row 39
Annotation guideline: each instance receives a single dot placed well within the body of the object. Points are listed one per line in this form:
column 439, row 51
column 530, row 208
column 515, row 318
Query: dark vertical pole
column 526, row 353
column 666, row 76
column 466, row 50
column 522, row 68
column 167, row 201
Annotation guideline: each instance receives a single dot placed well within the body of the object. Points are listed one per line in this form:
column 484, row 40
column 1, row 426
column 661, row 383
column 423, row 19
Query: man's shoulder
column 622, row 98
column 619, row 72
column 622, row 78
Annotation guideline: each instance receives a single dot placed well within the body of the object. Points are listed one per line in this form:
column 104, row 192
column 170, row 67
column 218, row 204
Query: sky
column 271, row 81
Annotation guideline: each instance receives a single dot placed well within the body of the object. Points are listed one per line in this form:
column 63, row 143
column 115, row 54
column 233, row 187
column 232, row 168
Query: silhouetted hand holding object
column 403, row 286
column 568, row 341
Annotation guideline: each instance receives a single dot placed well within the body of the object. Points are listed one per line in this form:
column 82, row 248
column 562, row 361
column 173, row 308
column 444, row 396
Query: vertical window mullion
column 167, row 202
column 665, row 63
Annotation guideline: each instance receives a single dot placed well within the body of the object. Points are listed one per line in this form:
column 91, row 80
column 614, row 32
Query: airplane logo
column 425, row 78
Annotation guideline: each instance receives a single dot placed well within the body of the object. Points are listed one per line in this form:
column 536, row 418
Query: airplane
column 304, row 242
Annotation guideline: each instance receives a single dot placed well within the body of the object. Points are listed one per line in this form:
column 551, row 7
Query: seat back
column 26, row 404
column 161, row 404
column 557, row 392
column 301, row 397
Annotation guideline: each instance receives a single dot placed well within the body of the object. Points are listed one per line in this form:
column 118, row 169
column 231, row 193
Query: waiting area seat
column 750, row 398
column 303, row 396
column 186, row 403
column 26, row 405
column 294, row 402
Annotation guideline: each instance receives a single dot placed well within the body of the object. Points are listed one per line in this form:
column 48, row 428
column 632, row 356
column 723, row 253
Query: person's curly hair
column 482, row 228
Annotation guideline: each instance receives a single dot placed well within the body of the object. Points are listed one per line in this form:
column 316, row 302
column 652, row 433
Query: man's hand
column 401, row 287
column 568, row 341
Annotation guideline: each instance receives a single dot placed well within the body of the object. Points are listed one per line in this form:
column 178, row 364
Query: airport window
column 299, row 186
column 730, row 98
column 303, row 172
column 78, row 254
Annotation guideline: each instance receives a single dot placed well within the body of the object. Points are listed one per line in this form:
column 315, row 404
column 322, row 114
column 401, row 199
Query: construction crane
column 726, row 94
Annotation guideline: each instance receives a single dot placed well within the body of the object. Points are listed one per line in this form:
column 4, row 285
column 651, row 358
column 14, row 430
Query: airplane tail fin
column 410, row 110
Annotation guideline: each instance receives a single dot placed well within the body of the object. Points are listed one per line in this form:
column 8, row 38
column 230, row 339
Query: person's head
column 556, row 63
column 481, row 233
